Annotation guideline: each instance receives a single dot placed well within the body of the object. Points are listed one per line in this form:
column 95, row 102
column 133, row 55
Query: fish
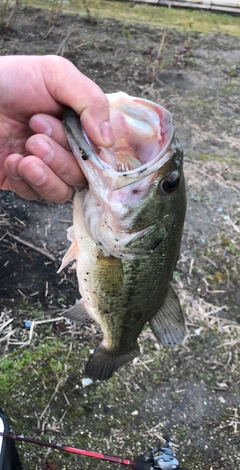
column 127, row 229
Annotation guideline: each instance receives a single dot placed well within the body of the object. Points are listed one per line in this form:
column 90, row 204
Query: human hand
column 35, row 158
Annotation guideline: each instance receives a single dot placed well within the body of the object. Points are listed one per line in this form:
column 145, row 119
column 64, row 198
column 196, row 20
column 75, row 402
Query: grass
column 182, row 19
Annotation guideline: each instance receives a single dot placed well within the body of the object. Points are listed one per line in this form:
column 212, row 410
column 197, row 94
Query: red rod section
column 88, row 453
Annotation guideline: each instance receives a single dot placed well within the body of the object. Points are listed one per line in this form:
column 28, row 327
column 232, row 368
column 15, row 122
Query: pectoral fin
column 77, row 313
column 168, row 323
column 72, row 250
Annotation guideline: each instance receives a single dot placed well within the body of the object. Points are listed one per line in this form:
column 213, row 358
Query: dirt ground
column 193, row 391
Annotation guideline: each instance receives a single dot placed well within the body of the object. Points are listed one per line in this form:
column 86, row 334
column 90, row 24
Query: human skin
column 35, row 159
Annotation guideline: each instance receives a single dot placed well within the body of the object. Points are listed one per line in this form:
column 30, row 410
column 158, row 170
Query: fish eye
column 170, row 184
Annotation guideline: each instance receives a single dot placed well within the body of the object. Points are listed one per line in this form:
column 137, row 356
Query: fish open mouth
column 142, row 129
column 144, row 134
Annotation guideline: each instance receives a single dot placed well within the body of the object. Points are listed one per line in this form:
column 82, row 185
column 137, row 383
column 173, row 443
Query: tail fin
column 102, row 364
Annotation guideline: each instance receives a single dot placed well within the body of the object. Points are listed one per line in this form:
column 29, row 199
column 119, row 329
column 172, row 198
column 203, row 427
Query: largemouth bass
column 127, row 229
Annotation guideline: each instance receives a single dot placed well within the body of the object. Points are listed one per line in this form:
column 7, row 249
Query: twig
column 84, row 44
column 59, row 382
column 161, row 45
column 3, row 236
column 233, row 225
column 49, row 320
column 30, row 245
column 61, row 48
column 54, row 14
column 210, row 261
column 5, row 323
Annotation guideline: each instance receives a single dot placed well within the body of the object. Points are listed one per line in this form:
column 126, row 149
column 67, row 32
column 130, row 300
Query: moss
column 182, row 431
column 176, row 397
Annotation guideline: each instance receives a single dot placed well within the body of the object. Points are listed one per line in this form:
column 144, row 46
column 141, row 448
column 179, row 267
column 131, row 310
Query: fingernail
column 106, row 132
column 42, row 149
column 43, row 125
column 35, row 174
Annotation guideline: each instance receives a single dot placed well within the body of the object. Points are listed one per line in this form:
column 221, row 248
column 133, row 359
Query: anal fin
column 168, row 323
column 103, row 363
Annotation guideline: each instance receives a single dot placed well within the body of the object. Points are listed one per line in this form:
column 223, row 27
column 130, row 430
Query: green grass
column 183, row 19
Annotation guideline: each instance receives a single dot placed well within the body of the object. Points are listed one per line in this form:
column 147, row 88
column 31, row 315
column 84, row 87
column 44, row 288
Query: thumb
column 71, row 88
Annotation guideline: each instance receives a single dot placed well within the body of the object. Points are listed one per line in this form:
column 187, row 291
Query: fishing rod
column 161, row 458
column 74, row 450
